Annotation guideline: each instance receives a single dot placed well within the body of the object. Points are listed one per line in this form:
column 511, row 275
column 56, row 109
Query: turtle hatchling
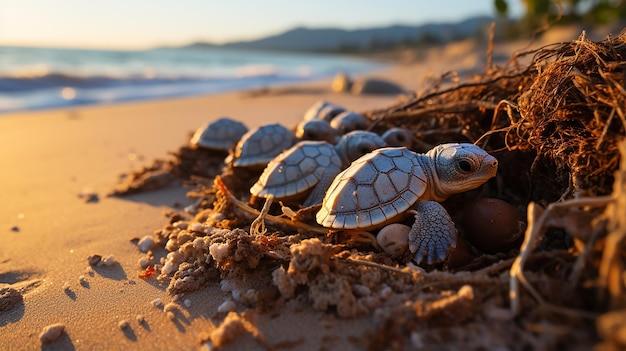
column 385, row 185
column 221, row 134
column 348, row 121
column 259, row 146
column 310, row 166
column 316, row 129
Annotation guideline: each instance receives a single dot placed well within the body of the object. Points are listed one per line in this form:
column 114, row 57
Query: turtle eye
column 465, row 166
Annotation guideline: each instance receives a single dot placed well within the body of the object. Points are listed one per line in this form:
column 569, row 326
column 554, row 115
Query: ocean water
column 35, row 78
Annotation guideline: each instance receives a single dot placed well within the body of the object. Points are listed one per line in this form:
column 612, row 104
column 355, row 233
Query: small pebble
column 89, row 270
column 227, row 306
column 187, row 303
column 9, row 297
column 157, row 302
column 15, row 229
column 197, row 227
column 51, row 333
column 144, row 262
column 123, row 324
column 146, row 243
column 170, row 307
column 66, row 286
column 94, row 260
column 141, row 319
column 81, row 278
column 170, row 316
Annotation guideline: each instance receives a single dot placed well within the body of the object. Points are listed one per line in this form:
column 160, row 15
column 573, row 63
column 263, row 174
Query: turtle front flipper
column 317, row 194
column 433, row 234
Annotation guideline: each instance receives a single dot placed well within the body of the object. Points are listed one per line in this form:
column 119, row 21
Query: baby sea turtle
column 221, row 134
column 314, row 111
column 398, row 137
column 383, row 186
column 348, row 121
column 316, row 129
column 310, row 166
column 259, row 146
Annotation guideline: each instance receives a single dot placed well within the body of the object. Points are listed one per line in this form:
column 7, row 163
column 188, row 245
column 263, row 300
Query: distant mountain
column 331, row 39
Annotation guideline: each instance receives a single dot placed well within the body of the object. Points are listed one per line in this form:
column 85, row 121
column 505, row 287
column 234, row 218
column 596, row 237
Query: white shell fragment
column 394, row 239
column 221, row 134
column 259, row 146
column 380, row 187
column 227, row 306
column 146, row 243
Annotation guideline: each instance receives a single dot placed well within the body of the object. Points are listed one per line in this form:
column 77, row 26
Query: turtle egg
column 394, row 239
column 492, row 225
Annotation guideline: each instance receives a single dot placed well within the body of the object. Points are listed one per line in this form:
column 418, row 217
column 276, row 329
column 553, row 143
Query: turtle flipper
column 317, row 194
column 433, row 234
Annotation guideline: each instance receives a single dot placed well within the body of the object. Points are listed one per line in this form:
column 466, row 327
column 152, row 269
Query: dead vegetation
column 555, row 119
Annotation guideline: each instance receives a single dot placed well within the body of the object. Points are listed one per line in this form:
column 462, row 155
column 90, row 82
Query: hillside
column 332, row 39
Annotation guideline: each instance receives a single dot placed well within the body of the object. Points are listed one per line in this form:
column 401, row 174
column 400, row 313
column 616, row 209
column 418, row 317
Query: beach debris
column 51, row 333
column 260, row 145
column 156, row 175
column 232, row 328
column 147, row 273
column 88, row 195
column 386, row 184
column 307, row 169
column 9, row 297
column 219, row 135
column 15, row 229
column 348, row 121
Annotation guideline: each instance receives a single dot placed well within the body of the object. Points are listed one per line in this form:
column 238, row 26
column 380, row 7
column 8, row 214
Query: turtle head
column 356, row 144
column 460, row 167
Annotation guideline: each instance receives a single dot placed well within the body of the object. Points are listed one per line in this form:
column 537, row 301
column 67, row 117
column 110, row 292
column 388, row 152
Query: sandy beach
column 54, row 161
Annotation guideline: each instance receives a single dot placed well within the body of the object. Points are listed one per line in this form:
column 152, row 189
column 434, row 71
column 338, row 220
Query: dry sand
column 50, row 158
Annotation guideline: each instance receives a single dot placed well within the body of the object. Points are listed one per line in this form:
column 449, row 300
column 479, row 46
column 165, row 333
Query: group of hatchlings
column 362, row 180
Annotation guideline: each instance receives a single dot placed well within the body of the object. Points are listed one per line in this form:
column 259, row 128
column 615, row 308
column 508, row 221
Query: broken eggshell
column 394, row 239
column 492, row 225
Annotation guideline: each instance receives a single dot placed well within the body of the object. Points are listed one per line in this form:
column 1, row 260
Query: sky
column 139, row 24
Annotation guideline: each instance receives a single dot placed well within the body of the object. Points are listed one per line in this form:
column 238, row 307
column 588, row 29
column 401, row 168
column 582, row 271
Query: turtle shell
column 259, row 146
column 219, row 135
column 348, row 121
column 296, row 170
column 375, row 190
